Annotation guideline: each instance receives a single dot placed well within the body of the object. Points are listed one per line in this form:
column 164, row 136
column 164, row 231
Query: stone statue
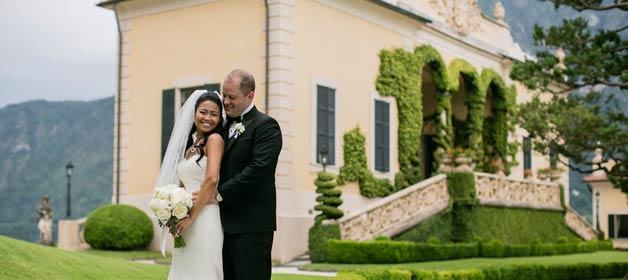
column 499, row 12
column 44, row 222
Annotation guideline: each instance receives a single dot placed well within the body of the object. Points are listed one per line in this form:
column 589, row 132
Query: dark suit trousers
column 246, row 256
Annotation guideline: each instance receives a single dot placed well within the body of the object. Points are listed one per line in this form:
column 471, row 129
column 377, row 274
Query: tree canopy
column 584, row 69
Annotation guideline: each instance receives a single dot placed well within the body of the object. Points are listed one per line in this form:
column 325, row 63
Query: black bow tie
column 232, row 120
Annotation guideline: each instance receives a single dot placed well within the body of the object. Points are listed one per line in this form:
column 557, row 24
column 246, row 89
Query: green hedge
column 346, row 251
column 118, row 227
column 318, row 237
column 383, row 251
column 511, row 225
column 513, row 272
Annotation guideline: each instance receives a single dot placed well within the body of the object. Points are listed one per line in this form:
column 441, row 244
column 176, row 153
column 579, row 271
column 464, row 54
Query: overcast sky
column 56, row 50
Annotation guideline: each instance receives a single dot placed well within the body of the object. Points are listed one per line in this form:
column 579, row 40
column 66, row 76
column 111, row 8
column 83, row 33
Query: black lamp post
column 68, row 169
column 323, row 156
column 597, row 210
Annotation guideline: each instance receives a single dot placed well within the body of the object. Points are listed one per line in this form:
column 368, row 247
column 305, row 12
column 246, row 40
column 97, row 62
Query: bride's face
column 207, row 116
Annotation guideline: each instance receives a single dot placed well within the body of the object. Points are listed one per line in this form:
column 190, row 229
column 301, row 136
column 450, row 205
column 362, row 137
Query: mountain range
column 38, row 138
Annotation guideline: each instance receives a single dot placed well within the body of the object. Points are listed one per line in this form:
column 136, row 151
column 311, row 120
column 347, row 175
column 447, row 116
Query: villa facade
column 318, row 64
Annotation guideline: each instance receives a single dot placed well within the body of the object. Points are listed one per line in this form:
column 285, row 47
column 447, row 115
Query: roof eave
column 402, row 11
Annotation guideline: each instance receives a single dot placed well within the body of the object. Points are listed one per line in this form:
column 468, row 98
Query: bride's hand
column 183, row 224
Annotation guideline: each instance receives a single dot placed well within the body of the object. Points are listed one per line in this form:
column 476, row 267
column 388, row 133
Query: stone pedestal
column 71, row 235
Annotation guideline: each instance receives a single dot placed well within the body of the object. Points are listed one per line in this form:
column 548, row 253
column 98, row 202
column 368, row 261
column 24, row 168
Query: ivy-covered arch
column 429, row 56
column 474, row 100
column 495, row 127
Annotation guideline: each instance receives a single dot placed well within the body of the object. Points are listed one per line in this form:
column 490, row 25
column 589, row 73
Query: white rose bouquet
column 170, row 204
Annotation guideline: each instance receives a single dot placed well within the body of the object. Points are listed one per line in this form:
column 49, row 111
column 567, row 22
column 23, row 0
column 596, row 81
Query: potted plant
column 555, row 173
column 543, row 173
column 527, row 173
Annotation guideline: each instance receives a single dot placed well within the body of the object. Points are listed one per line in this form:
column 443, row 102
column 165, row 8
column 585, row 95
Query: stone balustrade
column 502, row 191
column 397, row 212
column 579, row 225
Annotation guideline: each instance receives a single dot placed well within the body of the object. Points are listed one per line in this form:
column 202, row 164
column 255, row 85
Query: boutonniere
column 239, row 128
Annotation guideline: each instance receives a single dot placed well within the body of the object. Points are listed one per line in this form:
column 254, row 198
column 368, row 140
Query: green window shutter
column 212, row 87
column 611, row 227
column 382, row 136
column 325, row 122
column 167, row 118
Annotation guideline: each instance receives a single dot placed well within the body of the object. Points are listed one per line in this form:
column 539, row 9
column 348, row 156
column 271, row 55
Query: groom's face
column 235, row 101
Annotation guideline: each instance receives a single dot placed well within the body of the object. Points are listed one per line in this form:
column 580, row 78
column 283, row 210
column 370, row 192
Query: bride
column 192, row 160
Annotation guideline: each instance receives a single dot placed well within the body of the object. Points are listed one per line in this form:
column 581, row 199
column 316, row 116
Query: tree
column 583, row 69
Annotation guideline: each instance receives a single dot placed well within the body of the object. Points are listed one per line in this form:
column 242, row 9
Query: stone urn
column 463, row 163
column 542, row 176
column 446, row 163
column 555, row 174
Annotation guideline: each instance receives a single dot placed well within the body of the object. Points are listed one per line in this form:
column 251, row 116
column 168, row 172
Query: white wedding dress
column 201, row 258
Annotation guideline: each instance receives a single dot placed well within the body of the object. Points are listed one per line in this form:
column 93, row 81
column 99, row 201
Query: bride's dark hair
column 213, row 97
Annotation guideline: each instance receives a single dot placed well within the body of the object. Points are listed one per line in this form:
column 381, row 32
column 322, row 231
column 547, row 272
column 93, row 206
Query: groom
column 246, row 191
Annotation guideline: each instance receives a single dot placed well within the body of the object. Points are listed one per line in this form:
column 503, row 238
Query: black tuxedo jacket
column 247, row 175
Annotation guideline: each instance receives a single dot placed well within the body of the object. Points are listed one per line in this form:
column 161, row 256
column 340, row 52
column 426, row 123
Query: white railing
column 397, row 212
column 579, row 225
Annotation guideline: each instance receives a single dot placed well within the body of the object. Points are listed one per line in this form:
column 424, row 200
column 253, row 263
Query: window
column 325, row 122
column 618, row 226
column 168, row 110
column 527, row 153
column 553, row 156
column 382, row 136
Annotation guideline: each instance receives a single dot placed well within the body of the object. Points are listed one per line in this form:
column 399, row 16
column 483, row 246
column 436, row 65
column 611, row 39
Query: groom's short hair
column 247, row 81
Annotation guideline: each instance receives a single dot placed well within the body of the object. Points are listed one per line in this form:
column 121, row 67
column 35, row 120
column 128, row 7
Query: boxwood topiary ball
column 118, row 227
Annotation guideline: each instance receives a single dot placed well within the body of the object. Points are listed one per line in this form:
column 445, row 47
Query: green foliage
column 329, row 198
column 500, row 124
column 354, row 155
column 511, row 225
column 594, row 58
column 474, row 99
column 355, row 167
column 400, row 75
column 493, row 249
column 386, row 251
column 560, row 124
column 347, row 251
column 318, row 236
column 118, row 227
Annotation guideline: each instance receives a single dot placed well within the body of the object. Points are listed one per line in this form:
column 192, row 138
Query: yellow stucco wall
column 612, row 201
column 335, row 52
column 200, row 41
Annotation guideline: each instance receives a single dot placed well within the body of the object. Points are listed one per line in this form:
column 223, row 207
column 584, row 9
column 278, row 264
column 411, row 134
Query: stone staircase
column 404, row 209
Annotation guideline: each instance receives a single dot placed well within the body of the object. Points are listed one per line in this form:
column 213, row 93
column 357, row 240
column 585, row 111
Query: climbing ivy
column 474, row 99
column 400, row 76
column 495, row 132
column 355, row 168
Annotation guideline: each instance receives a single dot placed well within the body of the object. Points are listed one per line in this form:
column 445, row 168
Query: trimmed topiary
column 329, row 198
column 118, row 227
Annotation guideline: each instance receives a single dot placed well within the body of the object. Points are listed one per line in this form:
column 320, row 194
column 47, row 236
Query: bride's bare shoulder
column 215, row 139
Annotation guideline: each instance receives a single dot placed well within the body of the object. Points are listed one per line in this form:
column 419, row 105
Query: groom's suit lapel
column 249, row 118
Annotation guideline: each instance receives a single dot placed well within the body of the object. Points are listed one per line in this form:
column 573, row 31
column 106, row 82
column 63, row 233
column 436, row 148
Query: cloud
column 56, row 50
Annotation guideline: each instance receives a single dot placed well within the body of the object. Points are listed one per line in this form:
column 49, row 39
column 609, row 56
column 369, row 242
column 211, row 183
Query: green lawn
column 126, row 255
column 24, row 260
column 297, row 277
column 597, row 257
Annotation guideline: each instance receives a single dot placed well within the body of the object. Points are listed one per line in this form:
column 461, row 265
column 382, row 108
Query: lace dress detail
column 201, row 258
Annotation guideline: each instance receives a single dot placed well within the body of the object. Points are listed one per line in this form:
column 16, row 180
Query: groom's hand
column 194, row 196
